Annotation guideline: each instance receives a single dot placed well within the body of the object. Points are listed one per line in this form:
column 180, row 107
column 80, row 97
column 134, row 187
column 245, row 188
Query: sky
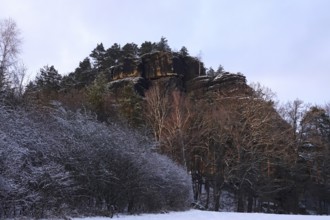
column 282, row 44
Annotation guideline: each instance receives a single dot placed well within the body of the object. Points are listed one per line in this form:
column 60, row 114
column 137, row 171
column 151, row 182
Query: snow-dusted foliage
column 55, row 162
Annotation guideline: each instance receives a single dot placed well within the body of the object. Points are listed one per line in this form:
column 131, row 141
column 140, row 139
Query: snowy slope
column 204, row 215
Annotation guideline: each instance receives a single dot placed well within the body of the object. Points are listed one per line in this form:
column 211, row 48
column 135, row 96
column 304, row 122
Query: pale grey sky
column 283, row 44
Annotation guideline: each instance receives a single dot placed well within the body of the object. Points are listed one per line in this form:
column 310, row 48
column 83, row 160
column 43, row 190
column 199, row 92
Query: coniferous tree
column 130, row 50
column 84, row 74
column 49, row 79
column 147, row 47
column 220, row 70
column 315, row 150
column 210, row 72
column 96, row 94
column 163, row 46
column 184, row 51
column 113, row 56
column 98, row 55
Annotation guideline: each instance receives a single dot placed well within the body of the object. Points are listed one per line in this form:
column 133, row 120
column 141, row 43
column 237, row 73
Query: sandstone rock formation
column 173, row 71
column 156, row 65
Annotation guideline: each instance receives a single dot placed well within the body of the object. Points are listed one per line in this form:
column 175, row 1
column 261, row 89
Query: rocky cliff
column 156, row 65
column 225, row 83
column 174, row 70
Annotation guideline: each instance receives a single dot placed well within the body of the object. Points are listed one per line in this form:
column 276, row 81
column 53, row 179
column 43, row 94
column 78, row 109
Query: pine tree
column 49, row 79
column 84, row 74
column 130, row 50
column 210, row 72
column 146, row 47
column 220, row 70
column 163, row 46
column 98, row 55
column 96, row 94
column 113, row 56
column 184, row 51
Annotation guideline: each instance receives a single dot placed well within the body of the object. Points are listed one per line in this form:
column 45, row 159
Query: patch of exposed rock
column 157, row 65
column 173, row 71
column 223, row 82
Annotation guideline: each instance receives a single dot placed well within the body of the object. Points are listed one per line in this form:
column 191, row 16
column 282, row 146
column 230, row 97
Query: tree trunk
column 250, row 203
column 216, row 196
column 130, row 205
column 207, row 189
column 240, row 202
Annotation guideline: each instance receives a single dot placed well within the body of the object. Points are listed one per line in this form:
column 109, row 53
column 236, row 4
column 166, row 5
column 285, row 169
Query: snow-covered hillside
column 205, row 215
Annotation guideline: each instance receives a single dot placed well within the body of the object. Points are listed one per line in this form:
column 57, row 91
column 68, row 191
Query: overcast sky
column 283, row 44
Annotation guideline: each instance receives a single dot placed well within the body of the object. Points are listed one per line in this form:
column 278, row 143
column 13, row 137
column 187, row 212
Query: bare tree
column 293, row 112
column 10, row 43
column 263, row 92
column 157, row 109
column 176, row 128
column 252, row 147
column 19, row 78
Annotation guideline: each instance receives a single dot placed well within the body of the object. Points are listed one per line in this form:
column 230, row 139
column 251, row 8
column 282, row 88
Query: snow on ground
column 207, row 215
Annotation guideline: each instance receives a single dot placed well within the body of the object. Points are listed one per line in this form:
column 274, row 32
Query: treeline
column 56, row 163
column 100, row 61
column 86, row 85
column 269, row 158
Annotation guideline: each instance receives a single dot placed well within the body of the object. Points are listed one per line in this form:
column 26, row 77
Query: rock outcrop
column 130, row 67
column 172, row 70
column 157, row 65
column 226, row 82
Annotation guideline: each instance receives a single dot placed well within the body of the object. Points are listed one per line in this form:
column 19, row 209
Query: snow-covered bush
column 55, row 162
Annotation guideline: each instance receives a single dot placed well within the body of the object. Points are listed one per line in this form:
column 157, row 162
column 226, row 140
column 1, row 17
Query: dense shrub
column 55, row 162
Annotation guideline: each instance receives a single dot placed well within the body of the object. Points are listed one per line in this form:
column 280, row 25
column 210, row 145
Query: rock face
column 224, row 83
column 173, row 70
column 130, row 67
column 157, row 65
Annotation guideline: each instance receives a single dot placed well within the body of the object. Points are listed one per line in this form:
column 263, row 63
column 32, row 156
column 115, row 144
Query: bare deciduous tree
column 157, row 109
column 10, row 43
column 176, row 127
column 19, row 78
column 292, row 112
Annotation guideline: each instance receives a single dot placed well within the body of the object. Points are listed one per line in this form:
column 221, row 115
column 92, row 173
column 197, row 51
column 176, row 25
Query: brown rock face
column 157, row 65
column 188, row 67
column 226, row 83
column 130, row 67
column 175, row 71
